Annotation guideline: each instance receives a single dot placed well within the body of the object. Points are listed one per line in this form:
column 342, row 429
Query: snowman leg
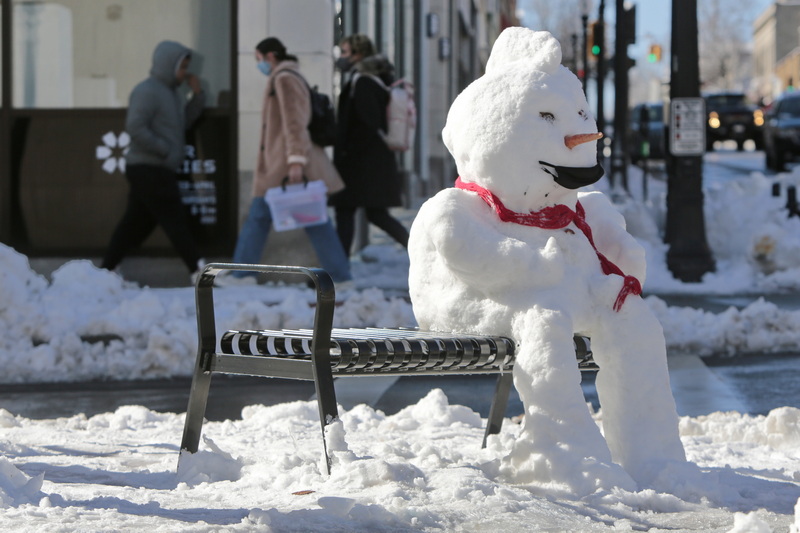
column 640, row 421
column 560, row 443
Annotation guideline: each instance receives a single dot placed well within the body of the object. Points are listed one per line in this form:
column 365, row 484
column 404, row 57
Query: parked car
column 732, row 116
column 782, row 131
column 646, row 132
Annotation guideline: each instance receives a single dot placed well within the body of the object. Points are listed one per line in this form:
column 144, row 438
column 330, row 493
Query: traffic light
column 629, row 24
column 598, row 39
column 655, row 53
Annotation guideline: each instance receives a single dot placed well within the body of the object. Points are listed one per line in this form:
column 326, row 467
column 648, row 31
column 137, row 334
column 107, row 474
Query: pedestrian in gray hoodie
column 157, row 119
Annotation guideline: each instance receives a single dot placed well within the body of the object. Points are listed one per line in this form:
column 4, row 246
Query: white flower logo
column 112, row 151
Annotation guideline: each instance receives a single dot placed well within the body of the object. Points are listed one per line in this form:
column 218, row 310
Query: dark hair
column 274, row 45
column 360, row 44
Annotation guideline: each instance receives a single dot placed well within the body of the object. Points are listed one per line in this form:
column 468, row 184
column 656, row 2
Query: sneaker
column 226, row 279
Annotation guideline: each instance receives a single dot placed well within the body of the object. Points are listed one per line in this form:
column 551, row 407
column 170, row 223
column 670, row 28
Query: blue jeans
column 253, row 238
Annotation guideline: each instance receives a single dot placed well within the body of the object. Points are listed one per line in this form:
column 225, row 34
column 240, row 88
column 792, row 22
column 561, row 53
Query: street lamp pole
column 689, row 256
column 574, row 42
column 585, row 34
column 625, row 35
column 601, row 76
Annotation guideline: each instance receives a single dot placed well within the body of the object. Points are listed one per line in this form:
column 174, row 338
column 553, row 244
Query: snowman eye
column 583, row 114
column 549, row 117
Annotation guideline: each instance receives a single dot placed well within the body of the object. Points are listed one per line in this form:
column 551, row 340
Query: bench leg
column 326, row 400
column 499, row 403
column 196, row 411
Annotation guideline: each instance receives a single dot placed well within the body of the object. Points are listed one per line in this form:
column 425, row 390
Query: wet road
column 752, row 384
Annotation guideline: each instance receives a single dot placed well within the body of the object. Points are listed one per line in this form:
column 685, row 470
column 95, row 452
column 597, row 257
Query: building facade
column 775, row 42
column 68, row 67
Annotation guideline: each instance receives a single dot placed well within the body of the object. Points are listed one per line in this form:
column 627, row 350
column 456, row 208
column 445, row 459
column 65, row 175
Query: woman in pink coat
column 286, row 151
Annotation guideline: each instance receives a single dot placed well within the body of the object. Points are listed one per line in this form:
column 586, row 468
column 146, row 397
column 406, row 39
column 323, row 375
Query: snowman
column 514, row 249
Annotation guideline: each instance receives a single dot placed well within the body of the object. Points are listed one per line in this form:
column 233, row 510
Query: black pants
column 153, row 199
column 346, row 222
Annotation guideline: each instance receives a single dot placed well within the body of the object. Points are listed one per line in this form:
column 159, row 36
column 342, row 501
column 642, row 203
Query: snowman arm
column 475, row 251
column 611, row 237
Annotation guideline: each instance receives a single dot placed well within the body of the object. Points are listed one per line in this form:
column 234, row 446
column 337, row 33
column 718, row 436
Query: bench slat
column 376, row 350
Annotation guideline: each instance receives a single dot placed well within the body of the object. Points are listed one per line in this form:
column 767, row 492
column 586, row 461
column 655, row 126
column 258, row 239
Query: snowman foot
column 561, row 471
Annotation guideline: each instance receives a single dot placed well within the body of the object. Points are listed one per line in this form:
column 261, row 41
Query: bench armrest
column 323, row 317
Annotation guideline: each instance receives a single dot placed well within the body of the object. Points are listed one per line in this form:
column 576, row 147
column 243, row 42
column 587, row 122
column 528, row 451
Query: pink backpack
column 401, row 114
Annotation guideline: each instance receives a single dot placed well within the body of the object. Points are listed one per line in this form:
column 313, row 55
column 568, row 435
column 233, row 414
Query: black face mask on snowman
column 574, row 177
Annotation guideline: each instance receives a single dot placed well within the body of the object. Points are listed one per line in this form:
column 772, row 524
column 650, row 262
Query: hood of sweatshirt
column 166, row 58
column 377, row 65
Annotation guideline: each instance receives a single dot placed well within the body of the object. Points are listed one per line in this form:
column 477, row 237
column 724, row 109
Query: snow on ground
column 421, row 469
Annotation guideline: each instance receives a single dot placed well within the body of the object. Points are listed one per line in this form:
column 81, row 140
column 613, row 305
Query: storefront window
column 90, row 54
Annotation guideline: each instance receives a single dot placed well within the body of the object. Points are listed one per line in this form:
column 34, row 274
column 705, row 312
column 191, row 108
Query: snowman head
column 523, row 130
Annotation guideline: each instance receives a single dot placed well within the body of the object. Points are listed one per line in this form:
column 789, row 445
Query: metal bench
column 320, row 353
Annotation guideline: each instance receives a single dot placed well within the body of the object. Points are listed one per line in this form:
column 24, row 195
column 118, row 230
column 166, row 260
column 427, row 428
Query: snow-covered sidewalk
column 421, row 469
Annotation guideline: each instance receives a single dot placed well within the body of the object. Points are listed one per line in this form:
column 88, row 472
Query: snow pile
column 780, row 430
column 761, row 327
column 130, row 332
column 90, row 324
column 421, row 469
column 208, row 466
column 755, row 244
column 16, row 488
column 21, row 290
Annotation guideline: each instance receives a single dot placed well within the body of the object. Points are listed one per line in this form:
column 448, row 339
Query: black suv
column 732, row 116
column 782, row 131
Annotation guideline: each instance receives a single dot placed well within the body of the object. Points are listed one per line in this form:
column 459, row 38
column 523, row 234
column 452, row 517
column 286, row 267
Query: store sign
column 114, row 148
column 192, row 165
column 112, row 151
column 199, row 194
column 198, row 190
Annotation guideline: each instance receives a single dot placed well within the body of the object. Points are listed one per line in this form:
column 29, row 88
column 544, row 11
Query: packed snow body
column 523, row 139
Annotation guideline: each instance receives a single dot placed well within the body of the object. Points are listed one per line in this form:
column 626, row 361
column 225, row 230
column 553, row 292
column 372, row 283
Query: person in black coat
column 366, row 164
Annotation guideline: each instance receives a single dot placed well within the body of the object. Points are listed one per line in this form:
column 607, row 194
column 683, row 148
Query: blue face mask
column 265, row 67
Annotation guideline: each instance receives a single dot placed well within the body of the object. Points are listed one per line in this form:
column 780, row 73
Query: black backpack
column 322, row 126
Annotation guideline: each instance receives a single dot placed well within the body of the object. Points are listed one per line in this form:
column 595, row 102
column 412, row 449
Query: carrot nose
column 571, row 141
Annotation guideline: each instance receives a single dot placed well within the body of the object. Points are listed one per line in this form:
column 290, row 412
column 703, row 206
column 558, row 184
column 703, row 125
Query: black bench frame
column 316, row 355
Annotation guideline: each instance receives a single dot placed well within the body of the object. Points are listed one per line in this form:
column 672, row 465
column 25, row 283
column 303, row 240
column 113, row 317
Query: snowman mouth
column 573, row 177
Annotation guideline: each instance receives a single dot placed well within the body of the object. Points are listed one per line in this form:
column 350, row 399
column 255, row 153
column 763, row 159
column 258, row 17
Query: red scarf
column 557, row 217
